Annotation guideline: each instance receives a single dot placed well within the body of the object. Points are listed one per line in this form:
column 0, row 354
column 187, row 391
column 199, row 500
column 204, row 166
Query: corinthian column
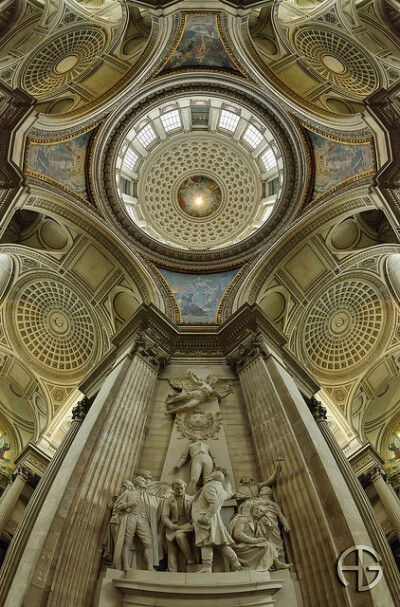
column 105, row 450
column 21, row 535
column 311, row 490
column 363, row 504
column 387, row 496
column 20, row 477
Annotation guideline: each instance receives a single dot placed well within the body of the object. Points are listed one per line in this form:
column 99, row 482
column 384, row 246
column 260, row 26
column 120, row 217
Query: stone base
column 290, row 595
column 162, row 589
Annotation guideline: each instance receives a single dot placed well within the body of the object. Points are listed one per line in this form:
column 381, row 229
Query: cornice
column 15, row 107
column 33, row 458
column 314, row 219
column 287, row 97
column 149, row 329
column 365, row 459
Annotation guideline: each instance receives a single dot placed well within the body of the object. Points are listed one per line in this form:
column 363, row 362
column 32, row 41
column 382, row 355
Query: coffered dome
column 207, row 173
column 199, row 174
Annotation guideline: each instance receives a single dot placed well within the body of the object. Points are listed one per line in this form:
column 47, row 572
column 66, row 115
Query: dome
column 209, row 173
column 199, row 173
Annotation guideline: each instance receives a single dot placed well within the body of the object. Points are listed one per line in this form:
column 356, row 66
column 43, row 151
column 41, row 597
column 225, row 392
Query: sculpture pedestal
column 152, row 588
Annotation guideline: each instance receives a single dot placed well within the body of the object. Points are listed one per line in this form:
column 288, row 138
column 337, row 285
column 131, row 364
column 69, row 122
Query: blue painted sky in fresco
column 64, row 162
column 198, row 295
column 335, row 162
column 200, row 46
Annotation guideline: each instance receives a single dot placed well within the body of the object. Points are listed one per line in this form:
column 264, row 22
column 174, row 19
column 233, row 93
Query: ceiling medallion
column 199, row 196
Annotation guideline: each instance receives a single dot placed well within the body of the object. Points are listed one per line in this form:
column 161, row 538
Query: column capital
column 23, row 473
column 375, row 474
column 80, row 410
column 150, row 351
column 317, row 409
column 246, row 352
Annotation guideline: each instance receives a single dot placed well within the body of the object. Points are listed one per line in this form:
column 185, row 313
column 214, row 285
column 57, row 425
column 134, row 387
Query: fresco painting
column 198, row 295
column 199, row 196
column 335, row 162
column 200, row 46
column 5, row 453
column 394, row 447
column 63, row 162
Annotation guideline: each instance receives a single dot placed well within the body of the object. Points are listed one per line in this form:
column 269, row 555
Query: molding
column 365, row 459
column 33, row 459
column 151, row 335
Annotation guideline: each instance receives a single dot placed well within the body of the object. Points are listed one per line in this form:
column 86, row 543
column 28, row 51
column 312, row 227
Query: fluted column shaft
column 112, row 459
column 19, row 540
column 394, row 480
column 311, row 490
column 11, row 496
column 104, row 453
column 364, row 505
column 9, row 483
column 388, row 497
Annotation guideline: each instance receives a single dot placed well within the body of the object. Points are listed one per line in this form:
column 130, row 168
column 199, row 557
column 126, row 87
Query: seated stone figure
column 275, row 514
column 251, row 534
column 179, row 530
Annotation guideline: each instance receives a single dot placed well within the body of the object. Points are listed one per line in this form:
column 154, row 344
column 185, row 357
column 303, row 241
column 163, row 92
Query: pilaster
column 24, row 529
column 312, row 490
column 376, row 534
column 387, row 496
column 73, row 520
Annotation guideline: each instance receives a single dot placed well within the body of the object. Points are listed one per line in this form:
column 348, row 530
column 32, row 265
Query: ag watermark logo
column 365, row 561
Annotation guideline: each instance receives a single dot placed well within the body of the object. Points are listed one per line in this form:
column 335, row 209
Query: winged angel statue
column 195, row 391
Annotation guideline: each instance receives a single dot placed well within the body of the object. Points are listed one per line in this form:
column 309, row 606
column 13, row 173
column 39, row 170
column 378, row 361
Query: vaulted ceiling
column 156, row 152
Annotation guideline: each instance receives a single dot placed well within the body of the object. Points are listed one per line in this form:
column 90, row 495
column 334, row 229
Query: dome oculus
column 199, row 196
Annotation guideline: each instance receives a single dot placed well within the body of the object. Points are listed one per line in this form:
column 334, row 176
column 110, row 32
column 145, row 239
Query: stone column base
column 162, row 589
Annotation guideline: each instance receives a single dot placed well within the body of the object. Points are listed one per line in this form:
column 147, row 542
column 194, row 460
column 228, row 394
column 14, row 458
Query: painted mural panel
column 335, row 162
column 5, row 453
column 394, row 448
column 64, row 162
column 199, row 196
column 198, row 295
column 200, row 46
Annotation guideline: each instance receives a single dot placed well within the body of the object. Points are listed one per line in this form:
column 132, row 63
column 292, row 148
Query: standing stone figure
column 176, row 517
column 133, row 523
column 210, row 531
column 112, row 530
column 152, row 509
column 250, row 490
column 251, row 533
column 202, row 462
